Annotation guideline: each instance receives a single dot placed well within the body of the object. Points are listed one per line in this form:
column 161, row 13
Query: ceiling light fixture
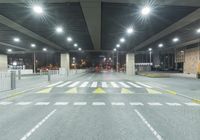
column 118, row 45
column 9, row 50
column 176, row 39
column 130, row 30
column 75, row 45
column 33, row 45
column 160, row 45
column 122, row 40
column 38, row 9
column 69, row 39
column 146, row 10
column 59, row 29
column 16, row 39
column 44, row 49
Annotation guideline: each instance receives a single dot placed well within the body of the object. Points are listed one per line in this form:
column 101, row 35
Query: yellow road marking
column 153, row 91
column 99, row 91
column 125, row 91
column 171, row 92
column 196, row 101
column 72, row 91
column 46, row 90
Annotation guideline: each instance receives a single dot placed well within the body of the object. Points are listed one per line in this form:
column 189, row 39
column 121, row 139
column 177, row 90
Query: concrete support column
column 130, row 64
column 3, row 62
column 65, row 62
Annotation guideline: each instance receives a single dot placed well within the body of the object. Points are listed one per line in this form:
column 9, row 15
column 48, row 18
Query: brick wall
column 192, row 57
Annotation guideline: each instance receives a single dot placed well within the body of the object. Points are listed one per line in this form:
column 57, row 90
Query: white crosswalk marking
column 118, row 103
column 104, row 84
column 80, row 103
column 42, row 103
column 24, row 103
column 124, row 85
column 147, row 86
column 5, row 103
column 173, row 104
column 192, row 104
column 64, row 84
column 98, row 103
column 55, row 84
column 136, row 104
column 114, row 84
column 155, row 104
column 135, row 85
column 61, row 103
column 94, row 84
column 84, row 84
column 74, row 84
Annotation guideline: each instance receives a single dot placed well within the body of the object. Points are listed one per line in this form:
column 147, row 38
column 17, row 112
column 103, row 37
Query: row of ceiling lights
column 38, row 9
column 146, row 10
column 174, row 40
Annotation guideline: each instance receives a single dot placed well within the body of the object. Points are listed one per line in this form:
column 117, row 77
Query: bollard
column 13, row 80
column 19, row 74
column 49, row 76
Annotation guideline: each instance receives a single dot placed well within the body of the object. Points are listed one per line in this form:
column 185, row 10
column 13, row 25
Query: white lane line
column 192, row 104
column 74, row 84
column 124, row 85
column 94, row 85
column 42, row 103
column 24, row 103
column 5, row 103
column 80, row 103
column 114, row 84
column 155, row 133
column 135, row 85
column 64, row 84
column 54, row 84
column 136, row 104
column 155, row 104
column 173, row 104
column 29, row 133
column 117, row 103
column 84, row 84
column 61, row 103
column 98, row 103
column 104, row 84
column 147, row 86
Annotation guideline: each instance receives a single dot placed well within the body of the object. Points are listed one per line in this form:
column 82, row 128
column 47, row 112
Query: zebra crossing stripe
column 143, row 85
column 94, row 84
column 192, row 104
column 74, row 84
column 136, row 104
column 104, row 85
column 24, row 103
column 5, row 103
column 155, row 104
column 114, row 84
column 55, row 84
column 124, row 85
column 173, row 104
column 61, row 103
column 84, row 84
column 64, row 84
column 135, row 85
column 42, row 103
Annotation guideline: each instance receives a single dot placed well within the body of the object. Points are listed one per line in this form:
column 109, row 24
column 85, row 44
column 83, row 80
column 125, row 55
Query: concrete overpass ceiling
column 67, row 15
column 116, row 17
column 6, row 41
column 186, row 35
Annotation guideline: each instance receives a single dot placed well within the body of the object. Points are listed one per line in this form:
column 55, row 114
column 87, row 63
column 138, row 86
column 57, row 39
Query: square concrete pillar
column 3, row 62
column 130, row 64
column 65, row 62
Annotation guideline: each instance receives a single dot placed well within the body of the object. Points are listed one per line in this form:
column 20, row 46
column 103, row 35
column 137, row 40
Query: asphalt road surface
column 104, row 106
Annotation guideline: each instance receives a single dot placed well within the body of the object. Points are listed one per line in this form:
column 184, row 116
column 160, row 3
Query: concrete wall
column 3, row 62
column 192, row 60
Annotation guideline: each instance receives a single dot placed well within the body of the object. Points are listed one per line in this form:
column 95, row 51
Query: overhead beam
column 12, row 46
column 17, row 27
column 92, row 14
column 194, row 16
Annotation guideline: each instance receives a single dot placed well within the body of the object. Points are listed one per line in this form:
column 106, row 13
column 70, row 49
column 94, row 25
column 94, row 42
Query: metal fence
column 5, row 81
